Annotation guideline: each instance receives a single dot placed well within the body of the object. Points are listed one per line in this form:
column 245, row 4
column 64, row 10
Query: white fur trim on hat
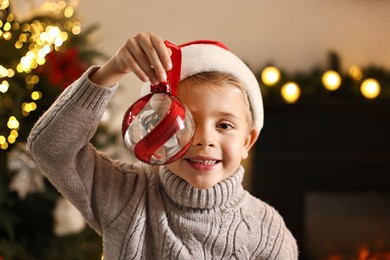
column 197, row 58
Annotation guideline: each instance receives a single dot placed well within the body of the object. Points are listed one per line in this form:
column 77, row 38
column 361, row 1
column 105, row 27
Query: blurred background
column 322, row 159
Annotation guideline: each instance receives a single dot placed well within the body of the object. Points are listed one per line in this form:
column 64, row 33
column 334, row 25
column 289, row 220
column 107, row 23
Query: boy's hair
column 220, row 79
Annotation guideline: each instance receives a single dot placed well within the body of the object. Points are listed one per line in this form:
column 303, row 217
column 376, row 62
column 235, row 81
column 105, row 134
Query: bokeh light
column 270, row 76
column 331, row 80
column 291, row 92
column 370, row 88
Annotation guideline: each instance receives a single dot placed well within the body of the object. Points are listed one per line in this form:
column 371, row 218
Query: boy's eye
column 225, row 126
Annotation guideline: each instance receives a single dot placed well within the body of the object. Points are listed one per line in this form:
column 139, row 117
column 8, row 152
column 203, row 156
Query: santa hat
column 208, row 56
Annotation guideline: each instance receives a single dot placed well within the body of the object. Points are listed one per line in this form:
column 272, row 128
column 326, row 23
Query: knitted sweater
column 147, row 212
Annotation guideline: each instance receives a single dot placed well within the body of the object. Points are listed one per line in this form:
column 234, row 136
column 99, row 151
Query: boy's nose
column 203, row 137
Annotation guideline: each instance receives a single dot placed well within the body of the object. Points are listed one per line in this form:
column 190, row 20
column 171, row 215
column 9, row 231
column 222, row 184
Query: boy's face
column 222, row 135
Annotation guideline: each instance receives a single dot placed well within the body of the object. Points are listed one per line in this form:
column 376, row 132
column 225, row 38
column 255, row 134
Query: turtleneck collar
column 221, row 196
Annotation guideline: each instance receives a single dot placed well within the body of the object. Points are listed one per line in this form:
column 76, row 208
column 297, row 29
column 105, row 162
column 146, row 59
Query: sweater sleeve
column 60, row 144
column 281, row 241
column 288, row 246
column 272, row 238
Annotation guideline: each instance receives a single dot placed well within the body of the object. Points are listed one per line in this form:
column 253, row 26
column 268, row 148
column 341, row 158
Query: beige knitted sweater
column 145, row 212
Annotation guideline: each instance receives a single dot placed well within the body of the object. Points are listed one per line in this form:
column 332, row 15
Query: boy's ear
column 250, row 140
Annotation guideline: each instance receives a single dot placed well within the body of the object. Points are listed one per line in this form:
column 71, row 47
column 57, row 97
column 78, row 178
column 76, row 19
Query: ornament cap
column 161, row 87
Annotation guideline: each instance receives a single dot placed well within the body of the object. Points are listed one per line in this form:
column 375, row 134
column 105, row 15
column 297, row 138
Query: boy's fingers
column 147, row 56
column 153, row 54
column 163, row 52
column 140, row 63
column 136, row 69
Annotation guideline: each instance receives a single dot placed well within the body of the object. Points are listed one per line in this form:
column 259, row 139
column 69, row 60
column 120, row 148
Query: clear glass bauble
column 158, row 129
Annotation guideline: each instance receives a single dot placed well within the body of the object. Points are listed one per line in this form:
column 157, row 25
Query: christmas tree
column 42, row 50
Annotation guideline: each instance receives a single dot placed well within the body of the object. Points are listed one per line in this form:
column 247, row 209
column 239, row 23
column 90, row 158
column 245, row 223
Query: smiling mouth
column 204, row 162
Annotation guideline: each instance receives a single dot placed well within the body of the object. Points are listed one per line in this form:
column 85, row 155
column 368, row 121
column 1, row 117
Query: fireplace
column 347, row 225
column 325, row 167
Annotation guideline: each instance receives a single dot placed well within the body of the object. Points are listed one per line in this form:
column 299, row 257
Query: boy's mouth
column 203, row 161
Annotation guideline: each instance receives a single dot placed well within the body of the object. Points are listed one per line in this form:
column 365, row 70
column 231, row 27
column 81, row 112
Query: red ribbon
column 161, row 133
column 173, row 76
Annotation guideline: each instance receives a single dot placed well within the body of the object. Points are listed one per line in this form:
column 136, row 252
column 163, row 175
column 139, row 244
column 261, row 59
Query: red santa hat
column 207, row 56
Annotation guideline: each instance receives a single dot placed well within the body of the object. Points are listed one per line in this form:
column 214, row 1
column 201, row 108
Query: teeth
column 207, row 162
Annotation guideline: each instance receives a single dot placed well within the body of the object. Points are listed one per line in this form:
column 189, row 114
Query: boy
column 193, row 208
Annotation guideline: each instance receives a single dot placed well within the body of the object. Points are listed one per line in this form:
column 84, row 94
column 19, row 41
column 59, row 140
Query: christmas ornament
column 28, row 177
column 157, row 128
column 67, row 219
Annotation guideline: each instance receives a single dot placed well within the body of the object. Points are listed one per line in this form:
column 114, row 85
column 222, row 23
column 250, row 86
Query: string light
column 7, row 36
column 76, row 29
column 355, row 73
column 14, row 133
column 10, row 18
column 3, row 72
column 13, row 123
column 11, row 73
column 3, row 142
column 370, row 88
column 11, row 139
column 68, row 12
column 331, row 80
column 29, row 106
column 36, row 95
column 38, row 38
column 291, row 92
column 4, row 4
column 44, row 39
column 270, row 76
column 4, row 86
column 12, row 136
column 7, row 26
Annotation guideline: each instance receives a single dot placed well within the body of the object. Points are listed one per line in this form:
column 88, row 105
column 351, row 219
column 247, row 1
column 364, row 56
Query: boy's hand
column 146, row 55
